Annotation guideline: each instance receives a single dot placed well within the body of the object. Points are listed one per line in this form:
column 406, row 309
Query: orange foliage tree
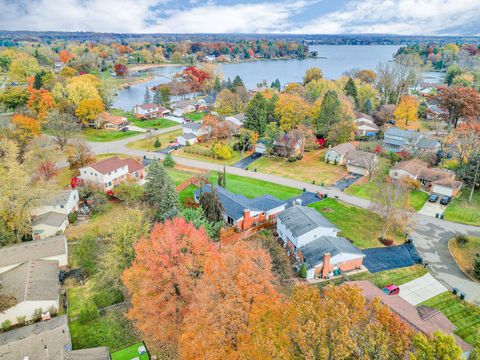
column 236, row 284
column 40, row 102
column 162, row 279
column 24, row 130
column 64, row 56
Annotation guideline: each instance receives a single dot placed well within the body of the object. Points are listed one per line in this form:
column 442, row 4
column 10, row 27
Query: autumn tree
column 458, row 103
column 311, row 74
column 247, row 139
column 194, row 77
column 40, row 102
column 236, row 283
column 330, row 113
column 229, row 103
column 211, row 205
column 24, row 130
column 89, row 109
column 438, row 346
column 130, row 192
column 64, row 56
column 163, row 278
column 341, row 132
column 406, row 112
column 62, row 126
column 256, row 114
column 46, row 171
column 291, row 110
column 366, row 76
column 79, row 155
column 121, row 70
column 14, row 97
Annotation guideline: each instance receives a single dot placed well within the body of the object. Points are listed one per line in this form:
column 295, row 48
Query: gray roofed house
column 336, row 154
column 97, row 353
column 49, row 224
column 237, row 119
column 51, row 218
column 54, row 248
column 235, row 205
column 193, row 125
column 301, row 220
column 396, row 140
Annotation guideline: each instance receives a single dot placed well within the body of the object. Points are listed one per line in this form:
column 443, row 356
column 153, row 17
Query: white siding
column 26, row 308
column 306, row 238
column 45, row 230
column 357, row 170
column 442, row 190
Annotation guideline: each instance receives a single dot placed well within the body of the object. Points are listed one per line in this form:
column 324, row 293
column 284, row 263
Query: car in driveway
column 433, row 198
column 445, row 200
column 391, row 289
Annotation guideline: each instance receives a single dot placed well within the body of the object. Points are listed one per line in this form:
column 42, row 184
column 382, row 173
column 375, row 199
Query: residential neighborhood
column 191, row 196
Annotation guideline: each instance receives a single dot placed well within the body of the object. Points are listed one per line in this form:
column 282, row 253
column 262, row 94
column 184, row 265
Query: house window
column 135, row 174
column 230, row 221
column 62, row 206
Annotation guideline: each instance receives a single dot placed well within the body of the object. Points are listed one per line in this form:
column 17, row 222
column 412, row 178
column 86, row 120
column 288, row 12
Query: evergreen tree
column 228, row 84
column 271, row 109
column 211, row 206
column 237, row 81
column 303, row 271
column 330, row 113
column 256, row 114
column 367, row 107
column 147, row 98
column 277, row 84
column 38, row 80
column 476, row 266
column 169, row 162
column 222, row 178
column 169, row 204
column 157, row 100
column 165, row 96
column 217, row 86
column 155, row 181
column 351, row 90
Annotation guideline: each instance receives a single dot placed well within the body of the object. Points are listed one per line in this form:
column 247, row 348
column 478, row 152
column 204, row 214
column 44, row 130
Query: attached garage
column 446, row 187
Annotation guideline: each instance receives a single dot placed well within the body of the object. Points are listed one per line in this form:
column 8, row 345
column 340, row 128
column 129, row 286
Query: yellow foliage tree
column 83, row 87
column 89, row 109
column 291, row 110
column 406, row 112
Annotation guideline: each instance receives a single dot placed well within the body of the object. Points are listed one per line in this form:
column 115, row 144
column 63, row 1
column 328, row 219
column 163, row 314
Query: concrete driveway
column 432, row 209
column 421, row 289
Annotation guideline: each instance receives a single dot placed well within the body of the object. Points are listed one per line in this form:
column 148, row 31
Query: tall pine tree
column 237, row 81
column 330, row 113
column 351, row 90
column 217, row 86
column 155, row 181
column 256, row 114
column 157, row 100
column 169, row 204
column 147, row 98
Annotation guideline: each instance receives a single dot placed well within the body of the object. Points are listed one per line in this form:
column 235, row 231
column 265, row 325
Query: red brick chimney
column 326, row 265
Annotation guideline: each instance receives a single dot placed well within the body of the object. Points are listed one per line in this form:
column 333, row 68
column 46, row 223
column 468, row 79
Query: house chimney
column 326, row 265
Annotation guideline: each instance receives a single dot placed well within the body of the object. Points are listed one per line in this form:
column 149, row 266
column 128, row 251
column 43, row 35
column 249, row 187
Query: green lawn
column 179, row 176
column 130, row 353
column 252, row 188
column 462, row 211
column 100, row 135
column 145, row 124
column 197, row 152
column 148, row 144
column 465, row 254
column 112, row 330
column 464, row 315
column 366, row 190
column 76, row 296
column 186, row 193
column 196, row 116
column 359, row 225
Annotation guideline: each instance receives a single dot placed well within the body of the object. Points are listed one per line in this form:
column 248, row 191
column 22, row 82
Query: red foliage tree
column 46, row 171
column 195, row 77
column 121, row 69
column 457, row 102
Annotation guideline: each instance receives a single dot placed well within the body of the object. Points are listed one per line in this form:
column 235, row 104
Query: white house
column 336, row 154
column 64, row 202
column 33, row 285
column 191, row 132
column 365, row 126
column 54, row 248
column 237, row 119
column 360, row 162
column 49, row 224
column 300, row 225
column 110, row 172
column 150, row 111
column 182, row 107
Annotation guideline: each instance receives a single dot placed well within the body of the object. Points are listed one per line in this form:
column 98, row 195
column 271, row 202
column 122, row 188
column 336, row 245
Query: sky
column 405, row 17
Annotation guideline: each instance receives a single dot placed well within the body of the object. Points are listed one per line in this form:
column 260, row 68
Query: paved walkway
column 422, row 289
column 430, row 238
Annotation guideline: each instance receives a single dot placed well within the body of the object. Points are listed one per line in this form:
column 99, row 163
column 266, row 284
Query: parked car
column 433, row 198
column 391, row 289
column 445, row 200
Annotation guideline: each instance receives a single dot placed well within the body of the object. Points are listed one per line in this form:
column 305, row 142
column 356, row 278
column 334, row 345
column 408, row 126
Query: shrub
column 292, row 159
column 157, row 143
column 303, row 271
column 476, row 266
column 461, row 239
column 335, row 162
column 387, row 242
column 53, row 311
column 37, row 314
column 107, row 297
column 327, row 160
column 6, row 325
column 21, row 320
column 88, row 312
column 222, row 151
column 72, row 217
column 299, row 157
column 169, row 162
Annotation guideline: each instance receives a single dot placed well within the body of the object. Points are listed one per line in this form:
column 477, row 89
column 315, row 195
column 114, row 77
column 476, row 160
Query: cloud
column 454, row 17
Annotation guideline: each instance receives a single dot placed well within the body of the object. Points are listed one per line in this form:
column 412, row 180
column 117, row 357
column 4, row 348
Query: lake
column 334, row 60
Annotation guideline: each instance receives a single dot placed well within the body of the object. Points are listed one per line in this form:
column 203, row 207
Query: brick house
column 112, row 122
column 244, row 213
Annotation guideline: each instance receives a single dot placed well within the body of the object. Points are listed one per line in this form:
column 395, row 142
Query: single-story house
column 182, row 107
column 360, row 162
column 112, row 122
column 64, row 202
column 49, row 224
column 299, row 225
column 150, row 111
column 365, row 126
column 34, row 285
column 397, row 140
column 191, row 132
column 336, row 154
column 110, row 172
column 49, row 340
column 242, row 212
column 421, row 318
column 448, row 187
column 53, row 248
column 326, row 254
column 237, row 119
column 419, row 170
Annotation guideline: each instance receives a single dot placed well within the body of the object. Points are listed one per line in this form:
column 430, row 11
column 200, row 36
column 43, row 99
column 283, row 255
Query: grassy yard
column 186, row 152
column 100, row 135
column 462, row 211
column 129, row 353
column 196, row 116
column 359, row 225
column 395, row 276
column 179, row 176
column 366, row 189
column 253, row 187
column 464, row 315
column 148, row 144
column 112, row 330
column 311, row 168
column 186, row 193
column 145, row 124
column 464, row 254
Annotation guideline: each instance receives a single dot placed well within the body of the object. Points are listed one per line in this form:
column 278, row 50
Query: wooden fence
column 230, row 234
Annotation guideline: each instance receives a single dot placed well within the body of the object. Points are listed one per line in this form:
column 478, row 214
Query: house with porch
column 336, row 155
column 187, row 106
column 112, row 122
column 150, row 111
column 241, row 212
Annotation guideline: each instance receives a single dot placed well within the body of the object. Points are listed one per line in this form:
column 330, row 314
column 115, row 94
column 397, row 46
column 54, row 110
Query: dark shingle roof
column 193, row 125
column 313, row 251
column 300, row 220
column 189, row 136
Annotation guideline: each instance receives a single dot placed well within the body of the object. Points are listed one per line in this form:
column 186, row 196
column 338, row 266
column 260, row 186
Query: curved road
column 430, row 237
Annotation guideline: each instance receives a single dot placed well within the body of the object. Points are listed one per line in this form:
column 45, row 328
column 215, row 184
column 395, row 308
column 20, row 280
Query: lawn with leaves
column 179, row 176
column 148, row 144
column 361, row 226
column 147, row 123
column 196, row 116
column 462, row 211
column 202, row 152
column 464, row 254
column 100, row 135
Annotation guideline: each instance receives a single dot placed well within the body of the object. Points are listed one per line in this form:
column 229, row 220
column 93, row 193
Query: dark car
column 445, row 200
column 433, row 198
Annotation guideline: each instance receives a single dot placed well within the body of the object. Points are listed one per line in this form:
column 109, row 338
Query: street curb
column 453, row 257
